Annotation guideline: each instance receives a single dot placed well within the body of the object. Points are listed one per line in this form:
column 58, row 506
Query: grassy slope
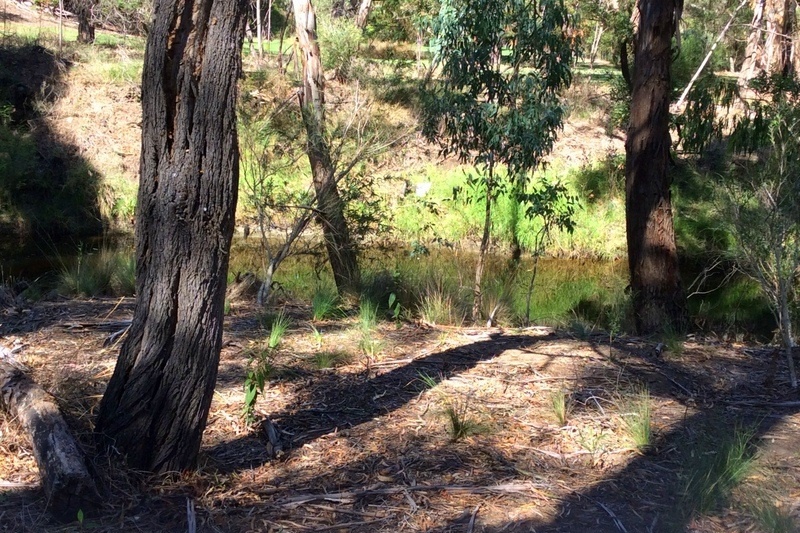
column 98, row 110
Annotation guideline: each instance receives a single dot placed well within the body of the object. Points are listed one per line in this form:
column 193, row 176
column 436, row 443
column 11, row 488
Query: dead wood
column 65, row 479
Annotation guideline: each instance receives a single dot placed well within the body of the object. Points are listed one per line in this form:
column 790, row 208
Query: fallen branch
column 350, row 496
column 62, row 467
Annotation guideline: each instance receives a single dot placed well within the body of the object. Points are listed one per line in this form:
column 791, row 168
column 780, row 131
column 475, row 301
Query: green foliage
column 762, row 201
column 260, row 369
column 502, row 67
column 339, row 39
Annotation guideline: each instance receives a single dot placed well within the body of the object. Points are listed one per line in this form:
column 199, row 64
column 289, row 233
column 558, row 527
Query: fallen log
column 66, row 481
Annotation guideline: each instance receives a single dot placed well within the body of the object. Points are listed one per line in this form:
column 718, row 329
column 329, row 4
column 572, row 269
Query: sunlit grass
column 636, row 415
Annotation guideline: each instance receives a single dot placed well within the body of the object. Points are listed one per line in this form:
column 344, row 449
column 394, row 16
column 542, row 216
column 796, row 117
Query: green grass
column 637, row 418
column 770, row 517
column 461, row 423
column 102, row 273
column 325, row 360
column 714, row 466
column 437, row 306
column 428, row 381
column 325, row 303
column 561, row 405
column 277, row 329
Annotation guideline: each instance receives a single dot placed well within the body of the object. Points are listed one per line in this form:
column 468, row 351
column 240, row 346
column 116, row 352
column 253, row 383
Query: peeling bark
column 341, row 249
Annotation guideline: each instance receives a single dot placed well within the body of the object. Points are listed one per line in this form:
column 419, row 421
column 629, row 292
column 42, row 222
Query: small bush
column 339, row 41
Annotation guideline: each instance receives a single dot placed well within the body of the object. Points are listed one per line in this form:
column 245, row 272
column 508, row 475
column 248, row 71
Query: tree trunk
column 62, row 466
column 156, row 405
column 341, row 250
column 481, row 263
column 769, row 45
column 259, row 37
column 85, row 25
column 658, row 297
column 362, row 15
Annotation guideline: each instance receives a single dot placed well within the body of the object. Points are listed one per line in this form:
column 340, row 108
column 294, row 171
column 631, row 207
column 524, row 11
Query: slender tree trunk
column 341, row 249
column 658, row 297
column 156, row 405
column 487, row 232
column 785, row 317
column 85, row 25
column 362, row 15
column 259, row 35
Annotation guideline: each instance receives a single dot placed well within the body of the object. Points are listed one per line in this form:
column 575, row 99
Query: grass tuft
column 637, row 416
column 562, row 406
column 428, row 381
column 325, row 360
column 278, row 329
column 460, row 422
column 715, row 467
column 325, row 304
column 771, row 518
column 438, row 307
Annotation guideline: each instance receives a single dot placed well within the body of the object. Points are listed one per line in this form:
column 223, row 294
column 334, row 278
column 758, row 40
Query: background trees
column 156, row 404
column 497, row 102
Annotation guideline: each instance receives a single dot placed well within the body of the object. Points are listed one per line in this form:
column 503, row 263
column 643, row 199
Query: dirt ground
column 368, row 445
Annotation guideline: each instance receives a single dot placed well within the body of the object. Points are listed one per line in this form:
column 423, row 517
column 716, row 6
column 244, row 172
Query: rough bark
column 658, row 297
column 156, row 405
column 62, row 466
column 341, row 249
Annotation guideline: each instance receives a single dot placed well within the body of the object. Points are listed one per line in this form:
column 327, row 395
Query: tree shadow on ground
column 334, row 402
column 683, row 475
column 47, row 190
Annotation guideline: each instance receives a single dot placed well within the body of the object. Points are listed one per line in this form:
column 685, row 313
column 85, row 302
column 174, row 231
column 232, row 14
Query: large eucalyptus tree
column 156, row 405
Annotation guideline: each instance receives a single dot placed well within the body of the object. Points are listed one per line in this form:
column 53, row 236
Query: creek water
column 564, row 291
